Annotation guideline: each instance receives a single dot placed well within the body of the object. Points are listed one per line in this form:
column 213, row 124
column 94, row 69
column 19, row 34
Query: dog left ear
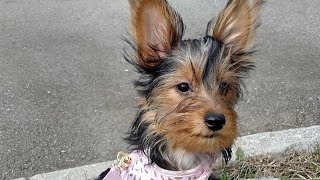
column 236, row 25
column 156, row 30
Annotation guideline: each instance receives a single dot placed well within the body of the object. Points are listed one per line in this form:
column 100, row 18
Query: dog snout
column 215, row 122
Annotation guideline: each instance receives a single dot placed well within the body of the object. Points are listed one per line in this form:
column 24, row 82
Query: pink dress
column 139, row 169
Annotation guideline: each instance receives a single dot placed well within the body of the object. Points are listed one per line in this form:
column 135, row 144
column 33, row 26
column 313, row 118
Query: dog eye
column 183, row 87
column 223, row 87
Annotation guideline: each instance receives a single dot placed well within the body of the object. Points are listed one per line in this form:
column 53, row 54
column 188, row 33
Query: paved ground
column 66, row 94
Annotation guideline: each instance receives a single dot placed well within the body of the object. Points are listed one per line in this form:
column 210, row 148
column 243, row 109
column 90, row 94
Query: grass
column 293, row 166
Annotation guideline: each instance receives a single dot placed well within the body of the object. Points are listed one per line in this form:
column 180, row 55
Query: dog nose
column 215, row 122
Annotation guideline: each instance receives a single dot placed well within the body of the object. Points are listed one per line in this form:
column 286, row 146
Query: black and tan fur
column 188, row 88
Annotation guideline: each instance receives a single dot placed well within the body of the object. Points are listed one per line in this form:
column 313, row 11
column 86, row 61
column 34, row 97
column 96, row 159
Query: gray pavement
column 66, row 94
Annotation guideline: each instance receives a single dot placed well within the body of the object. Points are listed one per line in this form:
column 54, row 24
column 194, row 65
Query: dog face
column 188, row 88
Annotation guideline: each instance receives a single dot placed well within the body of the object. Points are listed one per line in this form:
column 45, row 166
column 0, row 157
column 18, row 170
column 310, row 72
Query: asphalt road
column 66, row 94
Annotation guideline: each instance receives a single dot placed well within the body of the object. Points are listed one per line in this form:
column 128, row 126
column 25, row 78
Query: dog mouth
column 210, row 136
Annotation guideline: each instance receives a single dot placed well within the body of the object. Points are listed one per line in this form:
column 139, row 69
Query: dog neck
column 180, row 160
column 184, row 160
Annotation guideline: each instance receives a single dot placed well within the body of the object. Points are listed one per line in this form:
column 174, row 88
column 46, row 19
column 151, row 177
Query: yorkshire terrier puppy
column 188, row 88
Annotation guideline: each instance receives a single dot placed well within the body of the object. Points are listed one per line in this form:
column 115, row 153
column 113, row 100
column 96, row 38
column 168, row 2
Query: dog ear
column 236, row 25
column 156, row 30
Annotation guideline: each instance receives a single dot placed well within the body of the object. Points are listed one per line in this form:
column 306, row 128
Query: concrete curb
column 88, row 172
column 267, row 143
column 280, row 142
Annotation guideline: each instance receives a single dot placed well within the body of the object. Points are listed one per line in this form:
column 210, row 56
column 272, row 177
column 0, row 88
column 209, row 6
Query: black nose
column 215, row 122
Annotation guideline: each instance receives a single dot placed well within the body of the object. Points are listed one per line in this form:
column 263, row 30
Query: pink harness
column 139, row 169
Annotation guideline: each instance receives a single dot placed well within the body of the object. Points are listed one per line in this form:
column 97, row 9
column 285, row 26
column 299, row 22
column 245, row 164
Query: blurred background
column 66, row 92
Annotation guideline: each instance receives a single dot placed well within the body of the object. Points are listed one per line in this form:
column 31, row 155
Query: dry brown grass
column 293, row 166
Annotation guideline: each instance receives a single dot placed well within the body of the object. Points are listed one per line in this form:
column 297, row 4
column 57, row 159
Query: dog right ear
column 156, row 30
